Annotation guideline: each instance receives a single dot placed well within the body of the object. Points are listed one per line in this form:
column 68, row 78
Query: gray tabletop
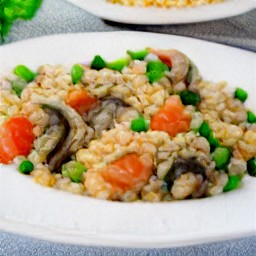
column 59, row 16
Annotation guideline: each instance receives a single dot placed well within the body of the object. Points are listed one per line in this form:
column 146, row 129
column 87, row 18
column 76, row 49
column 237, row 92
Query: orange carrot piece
column 171, row 118
column 128, row 171
column 16, row 138
column 162, row 55
column 81, row 101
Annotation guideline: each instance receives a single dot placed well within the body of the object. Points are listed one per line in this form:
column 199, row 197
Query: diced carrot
column 16, row 138
column 81, row 101
column 171, row 118
column 128, row 171
column 8, row 149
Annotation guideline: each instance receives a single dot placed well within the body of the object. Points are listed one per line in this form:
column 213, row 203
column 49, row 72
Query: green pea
column 251, row 167
column 18, row 86
column 24, row 73
column 241, row 94
column 98, row 63
column 74, row 170
column 221, row 157
column 138, row 55
column 156, row 70
column 118, row 64
column 233, row 183
column 26, row 167
column 214, row 142
column 190, row 98
column 251, row 117
column 139, row 125
column 77, row 73
column 205, row 130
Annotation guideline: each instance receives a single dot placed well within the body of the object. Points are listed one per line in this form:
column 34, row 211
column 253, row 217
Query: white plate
column 30, row 209
column 153, row 15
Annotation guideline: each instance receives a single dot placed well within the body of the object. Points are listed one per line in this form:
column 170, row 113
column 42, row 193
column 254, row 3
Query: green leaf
column 11, row 10
column 24, row 9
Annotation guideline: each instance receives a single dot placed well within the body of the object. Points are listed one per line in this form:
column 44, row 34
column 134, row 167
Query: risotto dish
column 164, row 3
column 145, row 127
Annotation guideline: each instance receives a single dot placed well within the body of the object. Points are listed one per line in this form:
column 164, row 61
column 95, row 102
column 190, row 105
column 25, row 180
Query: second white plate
column 153, row 15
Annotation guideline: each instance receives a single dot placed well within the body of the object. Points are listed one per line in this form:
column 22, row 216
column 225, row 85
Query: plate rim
column 136, row 33
column 63, row 237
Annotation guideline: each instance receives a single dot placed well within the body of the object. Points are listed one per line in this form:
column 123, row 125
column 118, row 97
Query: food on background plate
column 145, row 127
column 164, row 3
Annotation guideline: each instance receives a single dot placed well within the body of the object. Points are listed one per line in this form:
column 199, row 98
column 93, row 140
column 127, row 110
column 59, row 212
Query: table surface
column 59, row 16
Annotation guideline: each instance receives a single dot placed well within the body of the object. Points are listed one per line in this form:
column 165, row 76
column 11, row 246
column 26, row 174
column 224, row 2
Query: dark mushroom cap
column 181, row 166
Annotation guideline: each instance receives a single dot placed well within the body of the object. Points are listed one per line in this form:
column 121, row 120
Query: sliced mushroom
column 126, row 114
column 181, row 166
column 77, row 135
column 193, row 76
column 178, row 61
column 57, row 127
column 103, row 117
column 186, row 185
column 202, row 190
